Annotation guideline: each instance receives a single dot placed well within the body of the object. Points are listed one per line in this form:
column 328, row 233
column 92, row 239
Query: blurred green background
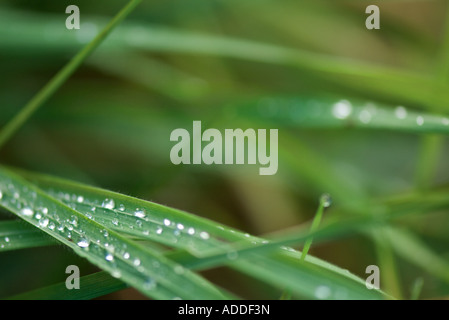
column 110, row 124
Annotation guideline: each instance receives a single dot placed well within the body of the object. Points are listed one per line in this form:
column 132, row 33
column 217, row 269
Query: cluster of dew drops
column 26, row 203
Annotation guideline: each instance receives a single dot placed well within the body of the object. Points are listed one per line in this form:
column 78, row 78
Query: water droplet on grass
column 167, row 222
column 7, row 239
column 116, row 274
column 419, row 120
column 80, row 199
column 204, row 235
column 322, row 292
column 109, row 257
column 326, row 200
column 191, row 231
column 400, row 112
column 44, row 222
column 365, row 116
column 139, row 213
column 27, row 212
column 108, row 204
column 342, row 109
column 136, row 262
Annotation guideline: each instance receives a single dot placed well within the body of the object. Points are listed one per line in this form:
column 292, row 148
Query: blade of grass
column 145, row 269
column 92, row 286
column 324, row 203
column 61, row 77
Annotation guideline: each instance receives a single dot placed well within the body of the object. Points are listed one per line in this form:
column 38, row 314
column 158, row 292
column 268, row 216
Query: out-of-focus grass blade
column 197, row 235
column 146, row 270
column 411, row 248
column 91, row 286
column 372, row 78
column 16, row 235
column 325, row 113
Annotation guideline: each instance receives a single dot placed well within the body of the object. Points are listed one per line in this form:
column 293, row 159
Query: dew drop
column 109, row 257
column 180, row 226
column 80, row 199
column 108, row 204
column 326, row 200
column 116, row 274
column 419, row 120
column 191, row 231
column 51, row 226
column 1, row 195
column 136, row 262
column 44, row 222
column 83, row 243
column 167, row 222
column 27, row 212
column 139, row 213
column 400, row 112
column 159, row 230
column 122, row 208
column 74, row 221
column 6, row 239
column 126, row 255
column 322, row 292
column 342, row 109
column 45, row 211
column 204, row 235
column 115, row 221
column 179, row 269
column 365, row 116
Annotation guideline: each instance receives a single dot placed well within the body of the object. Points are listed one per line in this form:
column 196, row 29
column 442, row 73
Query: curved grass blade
column 146, row 270
column 93, row 286
column 197, row 235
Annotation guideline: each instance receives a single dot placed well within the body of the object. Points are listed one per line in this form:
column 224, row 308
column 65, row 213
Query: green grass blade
column 91, row 286
column 146, row 270
column 61, row 77
column 16, row 235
